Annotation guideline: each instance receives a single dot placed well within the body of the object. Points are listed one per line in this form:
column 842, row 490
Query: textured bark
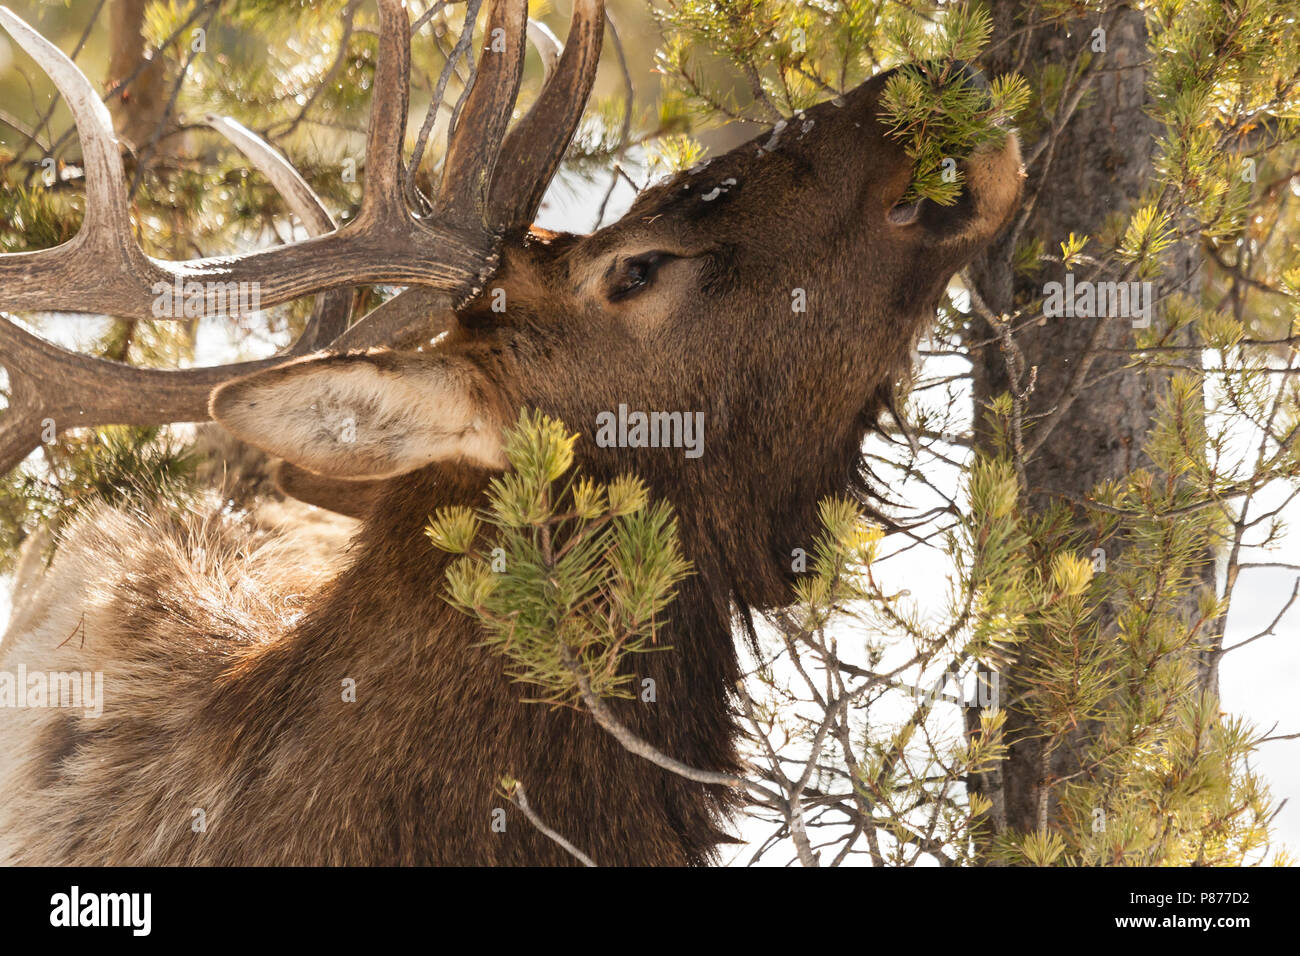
column 1098, row 169
column 139, row 110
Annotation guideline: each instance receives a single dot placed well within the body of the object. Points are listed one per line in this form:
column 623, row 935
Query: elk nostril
column 971, row 76
column 956, row 72
column 904, row 213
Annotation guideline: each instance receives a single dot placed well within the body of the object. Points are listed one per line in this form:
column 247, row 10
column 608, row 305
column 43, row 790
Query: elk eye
column 633, row 274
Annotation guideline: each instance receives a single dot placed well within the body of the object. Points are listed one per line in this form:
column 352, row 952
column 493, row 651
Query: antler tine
column 417, row 314
column 412, row 314
column 420, row 313
column 103, row 270
column 383, row 202
column 333, row 309
column 106, row 205
column 476, row 142
column 300, row 198
column 534, row 148
column 106, row 226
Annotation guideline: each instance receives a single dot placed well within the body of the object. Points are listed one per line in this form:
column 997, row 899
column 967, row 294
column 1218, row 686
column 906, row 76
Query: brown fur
column 219, row 698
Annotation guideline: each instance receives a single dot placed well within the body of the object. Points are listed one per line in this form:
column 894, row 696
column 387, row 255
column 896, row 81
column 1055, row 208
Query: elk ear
column 352, row 498
column 368, row 415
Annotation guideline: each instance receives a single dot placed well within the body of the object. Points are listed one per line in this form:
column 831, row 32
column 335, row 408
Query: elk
column 222, row 684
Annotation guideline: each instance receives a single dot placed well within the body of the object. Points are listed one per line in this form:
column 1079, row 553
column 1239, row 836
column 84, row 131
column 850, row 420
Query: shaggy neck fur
column 436, row 724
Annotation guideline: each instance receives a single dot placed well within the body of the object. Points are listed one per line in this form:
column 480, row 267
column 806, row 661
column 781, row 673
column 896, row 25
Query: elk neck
column 423, row 680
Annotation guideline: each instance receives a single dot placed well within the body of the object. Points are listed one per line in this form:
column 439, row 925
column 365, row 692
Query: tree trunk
column 1097, row 169
column 139, row 110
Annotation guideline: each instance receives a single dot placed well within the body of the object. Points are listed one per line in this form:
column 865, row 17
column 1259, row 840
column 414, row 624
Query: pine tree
column 1084, row 588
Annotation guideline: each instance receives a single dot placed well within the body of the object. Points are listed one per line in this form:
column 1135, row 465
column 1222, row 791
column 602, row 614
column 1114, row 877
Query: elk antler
column 89, row 391
column 532, row 152
column 444, row 257
column 333, row 309
column 383, row 244
column 529, row 158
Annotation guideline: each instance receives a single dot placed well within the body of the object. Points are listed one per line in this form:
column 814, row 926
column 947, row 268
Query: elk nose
column 971, row 76
column 958, row 72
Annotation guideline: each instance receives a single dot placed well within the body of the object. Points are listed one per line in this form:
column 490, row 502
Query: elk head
column 768, row 299
column 772, row 294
